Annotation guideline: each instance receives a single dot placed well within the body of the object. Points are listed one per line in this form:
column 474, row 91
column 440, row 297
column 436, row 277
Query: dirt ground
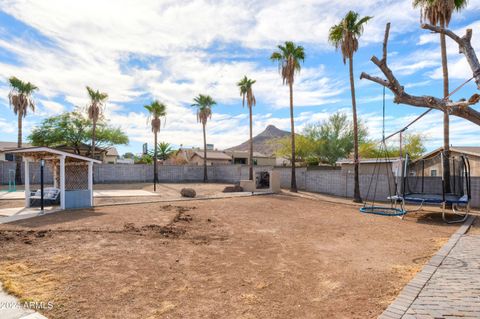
column 258, row 257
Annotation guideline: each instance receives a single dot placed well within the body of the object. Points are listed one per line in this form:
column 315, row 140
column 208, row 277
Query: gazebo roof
column 47, row 152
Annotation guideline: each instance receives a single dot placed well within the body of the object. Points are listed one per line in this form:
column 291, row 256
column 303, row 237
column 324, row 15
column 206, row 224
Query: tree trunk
column 94, row 128
column 155, row 171
column 293, row 186
column 356, row 190
column 250, row 171
column 205, row 177
column 18, row 158
column 446, row 119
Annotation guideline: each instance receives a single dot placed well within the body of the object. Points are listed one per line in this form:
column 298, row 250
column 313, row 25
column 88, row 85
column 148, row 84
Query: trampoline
column 452, row 190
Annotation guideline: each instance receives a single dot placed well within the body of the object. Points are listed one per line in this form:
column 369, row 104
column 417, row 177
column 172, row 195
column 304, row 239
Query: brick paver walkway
column 447, row 287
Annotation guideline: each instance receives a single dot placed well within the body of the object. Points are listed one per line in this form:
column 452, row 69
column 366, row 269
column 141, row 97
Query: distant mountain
column 264, row 142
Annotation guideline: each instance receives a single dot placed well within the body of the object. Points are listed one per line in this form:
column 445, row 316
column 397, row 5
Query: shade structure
column 73, row 175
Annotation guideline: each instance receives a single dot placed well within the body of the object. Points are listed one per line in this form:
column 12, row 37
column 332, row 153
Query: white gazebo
column 73, row 175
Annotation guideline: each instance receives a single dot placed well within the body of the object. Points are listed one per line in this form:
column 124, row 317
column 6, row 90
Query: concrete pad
column 11, row 308
column 96, row 193
column 123, row 193
column 13, row 195
column 8, row 215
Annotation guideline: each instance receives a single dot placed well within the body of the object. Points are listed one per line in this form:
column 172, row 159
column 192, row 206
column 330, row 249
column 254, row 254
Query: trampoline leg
column 461, row 220
column 402, row 206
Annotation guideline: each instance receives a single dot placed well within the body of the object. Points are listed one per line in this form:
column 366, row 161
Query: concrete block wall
column 332, row 182
column 122, row 173
column 6, row 166
column 475, row 190
column 286, row 176
column 340, row 183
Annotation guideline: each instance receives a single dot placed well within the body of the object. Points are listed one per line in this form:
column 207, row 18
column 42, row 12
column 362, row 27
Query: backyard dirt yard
column 273, row 256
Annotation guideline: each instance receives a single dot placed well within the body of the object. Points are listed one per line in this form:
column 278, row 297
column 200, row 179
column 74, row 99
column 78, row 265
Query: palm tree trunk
column 250, row 171
column 18, row 158
column 205, row 177
column 155, row 172
column 446, row 119
column 356, row 188
column 94, row 128
column 293, row 186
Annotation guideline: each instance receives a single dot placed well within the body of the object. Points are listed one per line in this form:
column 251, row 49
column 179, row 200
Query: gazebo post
column 27, row 182
column 90, row 181
column 62, row 181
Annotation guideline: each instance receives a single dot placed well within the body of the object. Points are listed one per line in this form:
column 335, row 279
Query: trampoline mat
column 435, row 198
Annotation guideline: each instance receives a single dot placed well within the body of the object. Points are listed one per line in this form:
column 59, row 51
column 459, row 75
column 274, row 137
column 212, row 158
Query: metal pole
column 401, row 155
column 42, row 164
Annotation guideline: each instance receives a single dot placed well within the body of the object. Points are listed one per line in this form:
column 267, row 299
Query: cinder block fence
column 331, row 182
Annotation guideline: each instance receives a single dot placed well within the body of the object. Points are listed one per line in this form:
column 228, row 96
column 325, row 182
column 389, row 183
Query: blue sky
column 137, row 51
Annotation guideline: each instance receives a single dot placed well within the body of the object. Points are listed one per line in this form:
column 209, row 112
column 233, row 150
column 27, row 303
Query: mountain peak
column 262, row 142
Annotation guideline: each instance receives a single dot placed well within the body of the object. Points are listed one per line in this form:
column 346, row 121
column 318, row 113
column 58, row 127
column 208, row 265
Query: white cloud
column 171, row 39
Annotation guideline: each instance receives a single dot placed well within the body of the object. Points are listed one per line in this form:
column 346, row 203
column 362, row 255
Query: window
column 9, row 157
column 433, row 172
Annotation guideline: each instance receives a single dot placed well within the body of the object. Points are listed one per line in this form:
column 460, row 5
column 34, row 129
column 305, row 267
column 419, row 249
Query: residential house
column 369, row 166
column 213, row 158
column 107, row 156
column 242, row 157
column 8, row 146
column 433, row 167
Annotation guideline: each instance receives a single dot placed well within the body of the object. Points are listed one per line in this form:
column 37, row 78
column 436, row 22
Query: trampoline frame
column 442, row 199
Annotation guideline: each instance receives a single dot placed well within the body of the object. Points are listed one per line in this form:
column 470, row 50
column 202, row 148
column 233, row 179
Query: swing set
column 408, row 184
column 12, row 186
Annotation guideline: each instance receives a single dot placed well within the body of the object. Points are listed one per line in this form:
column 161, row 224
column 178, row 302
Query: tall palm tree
column 344, row 36
column 95, row 110
column 288, row 58
column 246, row 92
column 157, row 111
column 439, row 12
column 20, row 99
column 204, row 104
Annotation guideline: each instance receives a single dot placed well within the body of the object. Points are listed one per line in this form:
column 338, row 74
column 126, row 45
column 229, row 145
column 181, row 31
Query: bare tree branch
column 464, row 46
column 461, row 108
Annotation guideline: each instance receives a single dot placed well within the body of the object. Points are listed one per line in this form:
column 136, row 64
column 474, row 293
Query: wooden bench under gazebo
column 73, row 176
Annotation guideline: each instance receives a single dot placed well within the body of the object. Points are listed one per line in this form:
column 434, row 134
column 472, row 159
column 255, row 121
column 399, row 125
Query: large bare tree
column 462, row 108
column 439, row 12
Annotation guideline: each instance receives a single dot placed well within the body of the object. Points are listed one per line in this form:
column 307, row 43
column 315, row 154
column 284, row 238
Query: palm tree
column 157, row 111
column 288, row 58
column 164, row 150
column 204, row 104
column 439, row 12
column 246, row 92
column 95, row 110
column 20, row 99
column 344, row 36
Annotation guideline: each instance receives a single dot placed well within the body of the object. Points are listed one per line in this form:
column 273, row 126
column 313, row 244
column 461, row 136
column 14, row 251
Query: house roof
column 43, row 151
column 245, row 154
column 5, row 146
column 112, row 151
column 213, row 155
column 467, row 150
column 367, row 160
